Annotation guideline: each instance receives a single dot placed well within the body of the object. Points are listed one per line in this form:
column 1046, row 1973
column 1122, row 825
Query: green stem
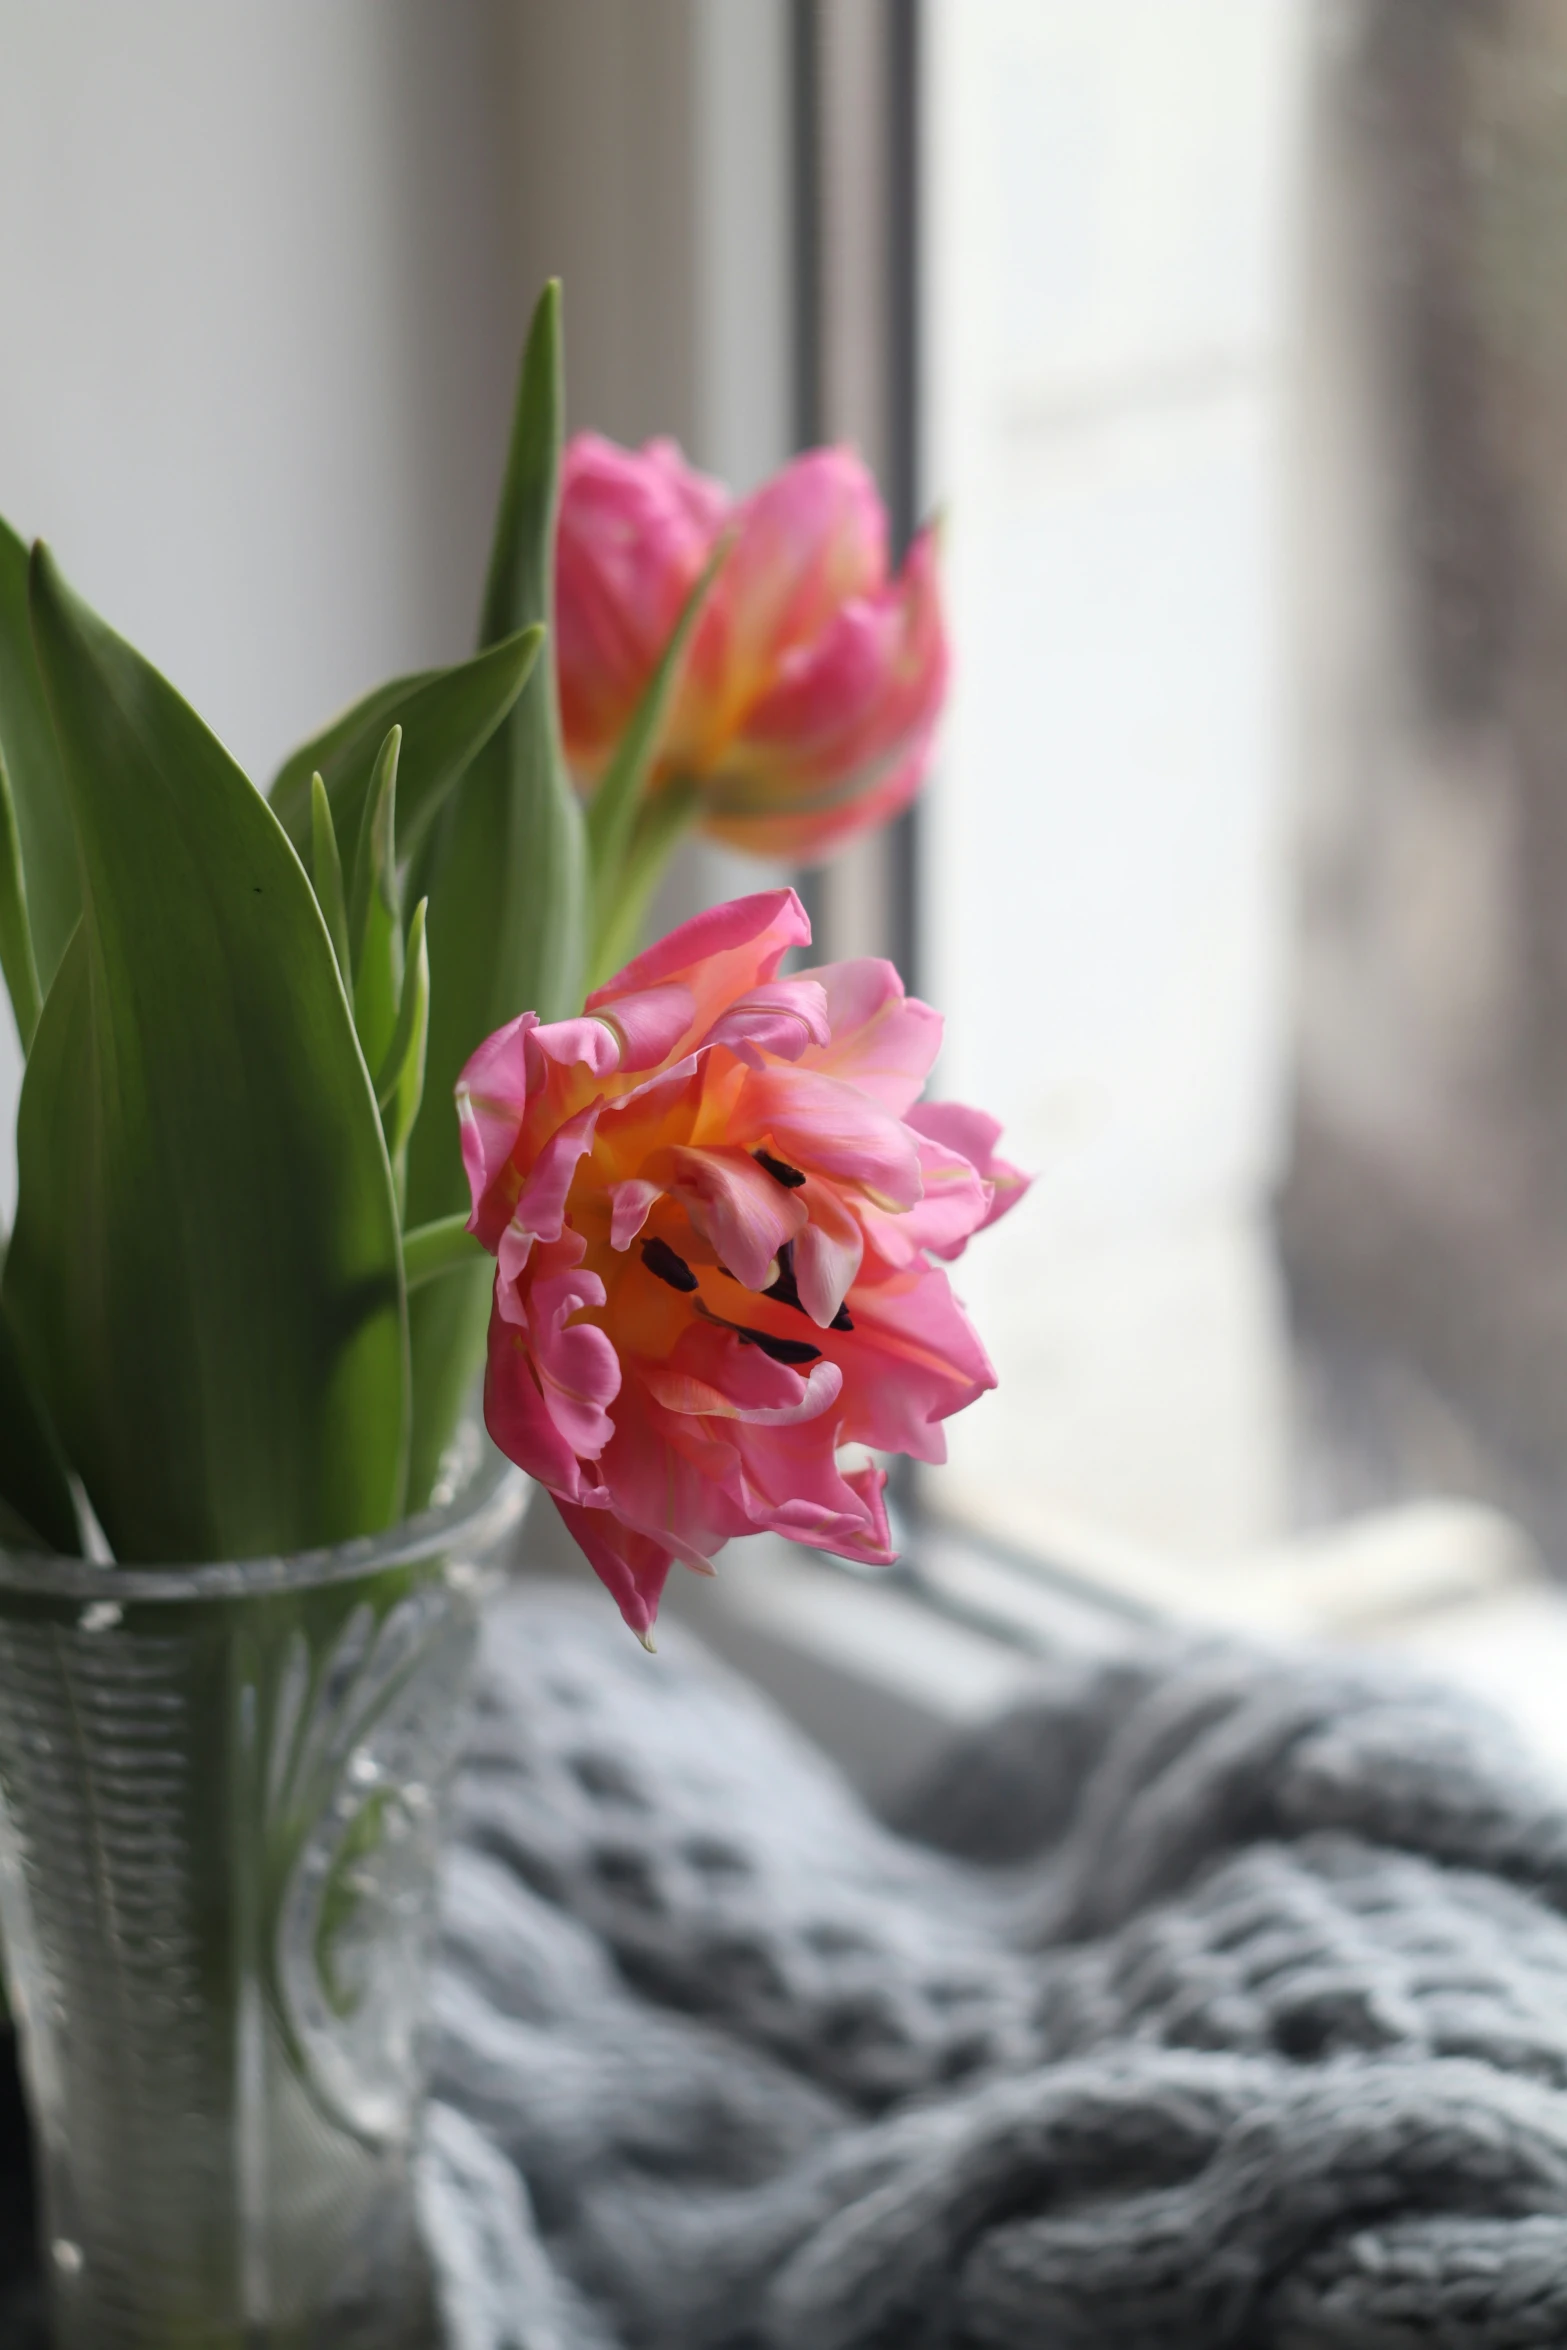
column 662, row 824
column 620, row 802
column 443, row 1246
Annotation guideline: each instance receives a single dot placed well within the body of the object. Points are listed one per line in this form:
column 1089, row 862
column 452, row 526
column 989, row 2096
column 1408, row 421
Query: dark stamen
column 785, row 1289
column 779, row 1350
column 662, row 1261
column 780, row 1170
column 840, row 1320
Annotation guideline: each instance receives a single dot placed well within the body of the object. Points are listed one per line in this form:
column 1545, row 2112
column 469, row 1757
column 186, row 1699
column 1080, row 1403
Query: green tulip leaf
column 400, row 1084
column 32, row 763
column 505, row 874
column 205, row 1278
column 17, row 960
column 375, row 913
column 447, row 716
column 36, row 1509
column 326, row 877
column 433, row 1251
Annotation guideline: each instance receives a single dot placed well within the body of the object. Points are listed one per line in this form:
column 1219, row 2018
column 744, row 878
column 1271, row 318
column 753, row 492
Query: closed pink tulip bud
column 812, row 687
column 714, row 1216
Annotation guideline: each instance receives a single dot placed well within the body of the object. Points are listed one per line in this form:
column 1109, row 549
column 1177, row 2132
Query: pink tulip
column 713, row 1216
column 814, row 681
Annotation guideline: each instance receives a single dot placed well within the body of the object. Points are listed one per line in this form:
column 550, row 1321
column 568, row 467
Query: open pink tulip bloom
column 714, row 1206
column 812, row 687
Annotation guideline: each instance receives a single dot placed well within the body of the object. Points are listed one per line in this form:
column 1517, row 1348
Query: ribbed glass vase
column 220, row 1808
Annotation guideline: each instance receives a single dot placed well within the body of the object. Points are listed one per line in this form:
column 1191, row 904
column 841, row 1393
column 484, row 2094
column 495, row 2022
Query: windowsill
column 883, row 1669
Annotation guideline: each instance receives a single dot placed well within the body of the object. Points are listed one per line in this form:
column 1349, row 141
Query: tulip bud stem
column 661, row 824
column 622, row 794
column 443, row 1246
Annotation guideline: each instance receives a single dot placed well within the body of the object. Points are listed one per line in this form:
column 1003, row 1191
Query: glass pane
column 1113, row 201
column 1249, row 897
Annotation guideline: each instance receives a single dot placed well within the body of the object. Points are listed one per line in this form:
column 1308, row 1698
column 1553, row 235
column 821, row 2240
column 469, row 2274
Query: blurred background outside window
column 1228, row 337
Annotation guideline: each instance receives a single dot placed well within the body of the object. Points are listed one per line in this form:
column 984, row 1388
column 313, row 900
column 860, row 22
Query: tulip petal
column 590, row 1044
column 829, row 1127
column 650, row 1024
column 632, row 1204
column 974, row 1134
column 632, row 1566
column 512, row 1252
column 746, row 1383
column 541, row 1205
column 870, row 1484
column 576, row 1364
column 882, row 1040
column 492, row 1100
column 836, row 710
column 718, row 954
column 676, row 1477
column 794, row 1487
column 868, row 685
column 913, row 1360
column 802, row 827
column 681, row 1391
column 807, row 541
column 581, row 1373
column 841, row 737
column 517, row 1415
column 738, row 1208
column 785, row 1018
column 827, row 1254
column 635, row 528
column 956, row 1203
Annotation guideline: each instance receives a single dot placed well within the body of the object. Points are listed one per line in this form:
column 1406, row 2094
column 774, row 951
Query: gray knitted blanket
column 1208, row 1999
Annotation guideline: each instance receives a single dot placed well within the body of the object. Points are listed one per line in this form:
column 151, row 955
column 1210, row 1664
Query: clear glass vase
column 220, row 1806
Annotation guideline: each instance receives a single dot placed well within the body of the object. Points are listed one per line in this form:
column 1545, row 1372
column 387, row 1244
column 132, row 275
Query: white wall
column 654, row 178
column 264, row 272
column 261, row 309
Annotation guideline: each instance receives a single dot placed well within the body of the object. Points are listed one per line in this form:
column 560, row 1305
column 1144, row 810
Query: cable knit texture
column 1206, row 1999
column 1209, row 2000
